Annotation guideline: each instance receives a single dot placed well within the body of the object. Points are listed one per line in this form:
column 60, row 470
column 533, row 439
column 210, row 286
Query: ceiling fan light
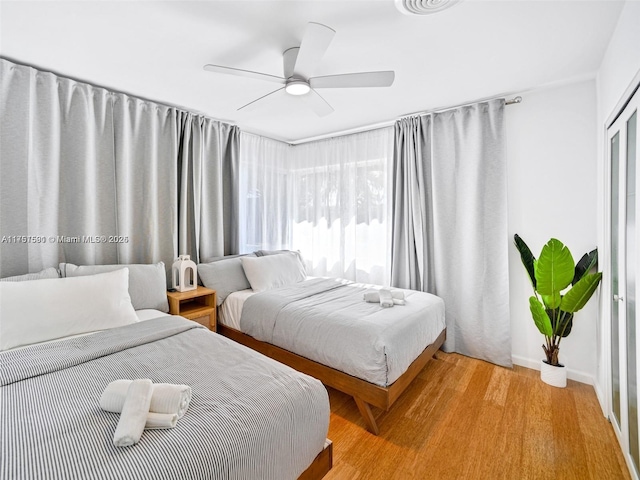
column 297, row 87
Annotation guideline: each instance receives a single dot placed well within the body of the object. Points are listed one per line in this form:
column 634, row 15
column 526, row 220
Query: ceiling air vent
column 423, row 7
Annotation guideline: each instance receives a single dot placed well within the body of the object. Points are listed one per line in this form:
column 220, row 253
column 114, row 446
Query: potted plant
column 552, row 305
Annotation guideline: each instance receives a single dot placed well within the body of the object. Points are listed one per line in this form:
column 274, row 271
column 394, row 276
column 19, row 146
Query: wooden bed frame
column 321, row 464
column 364, row 393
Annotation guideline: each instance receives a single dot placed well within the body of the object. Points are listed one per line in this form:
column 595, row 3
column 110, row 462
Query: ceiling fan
column 300, row 64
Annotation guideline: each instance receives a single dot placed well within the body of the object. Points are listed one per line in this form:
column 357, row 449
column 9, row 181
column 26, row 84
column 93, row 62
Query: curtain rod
column 512, row 101
column 389, row 123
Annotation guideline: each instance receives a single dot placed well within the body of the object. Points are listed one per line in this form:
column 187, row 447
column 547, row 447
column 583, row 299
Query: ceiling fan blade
column 315, row 42
column 251, row 105
column 244, row 73
column 352, row 80
column 317, row 103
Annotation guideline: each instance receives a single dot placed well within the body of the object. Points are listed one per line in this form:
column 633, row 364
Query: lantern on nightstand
column 184, row 274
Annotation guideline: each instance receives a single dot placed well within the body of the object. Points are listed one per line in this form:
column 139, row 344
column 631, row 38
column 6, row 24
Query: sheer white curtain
column 327, row 199
column 341, row 211
column 264, row 191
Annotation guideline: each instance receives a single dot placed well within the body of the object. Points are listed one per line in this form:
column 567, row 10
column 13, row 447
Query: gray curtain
column 78, row 162
column 146, row 149
column 207, row 161
column 412, row 220
column 450, row 223
column 57, row 170
column 229, row 151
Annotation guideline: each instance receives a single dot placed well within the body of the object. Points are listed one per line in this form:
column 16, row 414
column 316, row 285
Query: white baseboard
column 601, row 399
column 577, row 375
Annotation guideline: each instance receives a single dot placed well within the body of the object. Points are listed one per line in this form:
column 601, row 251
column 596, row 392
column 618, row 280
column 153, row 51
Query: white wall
column 558, row 134
column 621, row 61
column 619, row 67
column 552, row 161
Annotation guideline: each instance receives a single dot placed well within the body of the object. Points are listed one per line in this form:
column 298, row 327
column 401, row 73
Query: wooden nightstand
column 198, row 305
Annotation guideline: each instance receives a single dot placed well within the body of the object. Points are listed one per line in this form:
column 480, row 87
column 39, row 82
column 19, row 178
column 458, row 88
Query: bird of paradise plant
column 551, row 274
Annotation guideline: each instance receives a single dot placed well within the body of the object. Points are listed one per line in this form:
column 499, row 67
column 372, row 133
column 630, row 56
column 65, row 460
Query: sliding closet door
column 625, row 334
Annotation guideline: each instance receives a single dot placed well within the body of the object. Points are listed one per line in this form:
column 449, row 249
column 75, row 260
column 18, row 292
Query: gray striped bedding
column 328, row 321
column 249, row 418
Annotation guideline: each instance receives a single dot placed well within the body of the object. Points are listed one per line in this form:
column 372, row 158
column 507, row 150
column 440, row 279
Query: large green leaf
column 586, row 263
column 552, row 301
column 580, row 293
column 555, row 268
column 540, row 317
column 527, row 258
column 566, row 326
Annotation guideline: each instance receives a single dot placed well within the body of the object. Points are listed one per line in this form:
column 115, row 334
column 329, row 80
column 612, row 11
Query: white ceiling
column 156, row 50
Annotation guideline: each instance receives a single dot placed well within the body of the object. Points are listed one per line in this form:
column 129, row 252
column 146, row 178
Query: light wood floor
column 467, row 419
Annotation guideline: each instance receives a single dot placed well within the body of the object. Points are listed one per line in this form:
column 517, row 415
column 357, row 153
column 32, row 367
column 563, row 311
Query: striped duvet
column 250, row 417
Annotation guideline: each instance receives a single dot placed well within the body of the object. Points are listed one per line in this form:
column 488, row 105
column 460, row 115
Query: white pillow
column 265, row 273
column 40, row 310
column 147, row 282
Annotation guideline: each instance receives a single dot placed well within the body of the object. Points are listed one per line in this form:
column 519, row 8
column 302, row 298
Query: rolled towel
column 166, row 397
column 134, row 413
column 397, row 294
column 373, row 296
column 386, row 300
column 156, row 421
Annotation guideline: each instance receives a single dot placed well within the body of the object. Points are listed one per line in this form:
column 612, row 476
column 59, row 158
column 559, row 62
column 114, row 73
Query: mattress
column 250, row 417
column 230, row 311
column 328, row 321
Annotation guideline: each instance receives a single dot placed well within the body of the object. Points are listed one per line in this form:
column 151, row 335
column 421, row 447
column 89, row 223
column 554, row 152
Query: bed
column 249, row 417
column 324, row 328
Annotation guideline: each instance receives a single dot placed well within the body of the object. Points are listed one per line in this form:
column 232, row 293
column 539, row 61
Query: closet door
column 625, row 334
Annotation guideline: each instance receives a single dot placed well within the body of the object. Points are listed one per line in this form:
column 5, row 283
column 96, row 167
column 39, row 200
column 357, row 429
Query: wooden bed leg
column 365, row 411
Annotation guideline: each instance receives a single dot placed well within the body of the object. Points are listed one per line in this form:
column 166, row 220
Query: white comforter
column 327, row 320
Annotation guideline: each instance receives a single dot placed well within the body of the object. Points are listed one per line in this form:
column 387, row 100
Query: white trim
column 605, row 397
column 577, row 375
column 602, row 399
column 604, row 258
column 624, row 99
column 615, row 126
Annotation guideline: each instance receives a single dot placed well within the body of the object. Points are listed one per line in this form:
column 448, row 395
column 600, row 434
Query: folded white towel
column 166, row 397
column 373, row 296
column 386, row 300
column 134, row 413
column 156, row 421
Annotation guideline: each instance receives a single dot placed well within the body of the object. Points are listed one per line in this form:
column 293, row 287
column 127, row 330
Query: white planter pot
column 552, row 375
